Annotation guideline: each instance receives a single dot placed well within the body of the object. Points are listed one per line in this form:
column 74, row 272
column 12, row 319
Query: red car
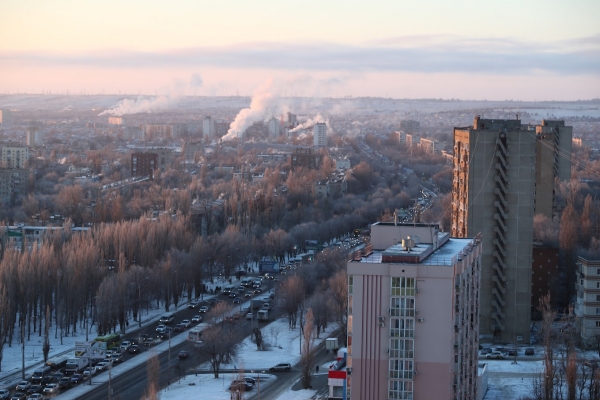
column 183, row 354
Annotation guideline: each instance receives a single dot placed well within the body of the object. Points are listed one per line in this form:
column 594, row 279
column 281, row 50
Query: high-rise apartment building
column 208, row 127
column 320, row 135
column 144, row 164
column 13, row 155
column 496, row 166
column 6, row 117
column 414, row 315
column 553, row 154
column 34, row 137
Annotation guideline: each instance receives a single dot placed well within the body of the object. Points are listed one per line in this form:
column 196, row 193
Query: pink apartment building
column 414, row 316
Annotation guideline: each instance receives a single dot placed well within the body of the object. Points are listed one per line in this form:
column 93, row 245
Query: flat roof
column 446, row 255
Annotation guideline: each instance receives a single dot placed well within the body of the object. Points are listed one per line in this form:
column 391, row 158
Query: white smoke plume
column 266, row 103
column 311, row 122
column 149, row 104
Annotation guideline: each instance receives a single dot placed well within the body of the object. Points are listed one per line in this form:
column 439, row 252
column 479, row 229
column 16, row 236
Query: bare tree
column 293, row 295
column 218, row 346
column 338, row 285
column 5, row 320
column 153, row 371
column 308, row 349
column 549, row 372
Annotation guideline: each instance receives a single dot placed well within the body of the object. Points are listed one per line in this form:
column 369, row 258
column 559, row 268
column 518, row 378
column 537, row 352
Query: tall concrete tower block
column 493, row 193
column 320, row 135
column 553, row 153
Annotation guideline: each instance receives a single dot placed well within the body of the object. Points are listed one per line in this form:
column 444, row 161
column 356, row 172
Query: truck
column 57, row 362
column 75, row 365
column 263, row 315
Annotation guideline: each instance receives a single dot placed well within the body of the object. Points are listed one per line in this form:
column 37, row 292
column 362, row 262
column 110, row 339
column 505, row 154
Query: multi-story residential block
column 34, row 137
column 410, row 126
column 6, row 117
column 414, row 315
column 428, row 146
column 587, row 308
column 494, row 192
column 342, row 163
column 13, row 155
column 208, row 127
column 116, row 120
column 192, row 149
column 553, row 153
column 320, row 135
column 13, row 184
column 544, row 274
column 144, row 164
column 304, row 157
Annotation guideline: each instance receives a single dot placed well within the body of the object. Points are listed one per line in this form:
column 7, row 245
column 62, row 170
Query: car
column 101, row 366
column 241, row 272
column 256, row 291
column 196, row 319
column 4, row 394
column 186, row 323
column 125, row 345
column 183, row 354
column 109, row 362
column 23, row 386
column 51, row 389
column 35, row 396
column 35, row 389
column 64, row 383
column 161, row 328
column 148, row 341
column 529, row 351
column 179, row 328
column 495, row 355
column 116, row 357
column 241, row 381
column 269, row 277
column 237, row 300
column 212, row 302
column 240, row 387
column 251, row 381
column 281, row 367
column 249, row 315
column 108, row 353
column 19, row 396
column 57, row 377
column 512, row 352
column 256, row 285
column 233, row 295
column 249, row 293
column 266, row 306
column 134, row 349
column 90, row 371
column 193, row 304
column 76, row 378
column 272, row 296
column 241, row 289
column 485, row 350
column 46, row 380
column 203, row 309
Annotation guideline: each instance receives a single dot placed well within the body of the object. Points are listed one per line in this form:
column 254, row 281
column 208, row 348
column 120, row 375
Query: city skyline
column 432, row 49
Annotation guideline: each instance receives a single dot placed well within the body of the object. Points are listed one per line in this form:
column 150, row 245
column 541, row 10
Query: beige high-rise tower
column 496, row 165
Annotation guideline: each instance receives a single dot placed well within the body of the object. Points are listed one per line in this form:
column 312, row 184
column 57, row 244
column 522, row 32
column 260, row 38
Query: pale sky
column 469, row 49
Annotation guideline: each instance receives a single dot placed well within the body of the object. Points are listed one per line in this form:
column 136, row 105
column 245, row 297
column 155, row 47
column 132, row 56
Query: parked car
column 134, row 349
column 203, row 309
column 495, row 355
column 529, row 351
column 252, row 381
column 240, row 386
column 51, row 389
column 23, row 386
column 196, row 319
column 76, row 378
column 183, row 354
column 281, row 367
column 512, row 352
column 485, row 350
column 65, row 383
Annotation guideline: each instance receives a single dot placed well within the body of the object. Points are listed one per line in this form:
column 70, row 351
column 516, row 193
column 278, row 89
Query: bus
column 112, row 340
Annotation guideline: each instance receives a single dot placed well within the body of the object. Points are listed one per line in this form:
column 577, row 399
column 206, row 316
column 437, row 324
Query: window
column 401, row 369
column 597, row 311
column 402, row 327
column 350, row 284
column 403, row 286
column 597, row 285
column 597, row 271
column 597, row 324
column 598, row 297
column 401, row 390
column 402, row 307
column 402, row 348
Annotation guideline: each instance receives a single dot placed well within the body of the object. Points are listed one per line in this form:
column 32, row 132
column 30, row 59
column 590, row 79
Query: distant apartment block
column 133, row 133
column 166, row 156
column 273, row 127
column 414, row 315
column 342, row 163
column 6, row 117
column 587, row 308
column 144, row 164
column 192, row 150
column 208, row 127
column 163, row 131
column 554, row 141
column 411, row 140
column 428, row 146
column 410, row 126
column 13, row 185
column 333, row 187
column 320, row 135
column 13, row 155
column 116, row 120
column 305, row 158
column 34, row 138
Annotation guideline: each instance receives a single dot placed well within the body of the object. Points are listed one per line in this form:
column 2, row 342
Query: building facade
column 208, row 127
column 13, row 185
column 587, row 308
column 553, row 138
column 34, row 138
column 144, row 164
column 6, row 117
column 305, row 158
column 320, row 135
column 493, row 193
column 414, row 315
column 13, row 155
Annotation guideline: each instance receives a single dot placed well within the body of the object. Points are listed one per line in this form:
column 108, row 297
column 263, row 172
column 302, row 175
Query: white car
column 23, row 386
column 197, row 319
column 203, row 309
column 102, row 365
column 88, row 371
column 186, row 323
column 51, row 388
column 125, row 345
column 161, row 329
